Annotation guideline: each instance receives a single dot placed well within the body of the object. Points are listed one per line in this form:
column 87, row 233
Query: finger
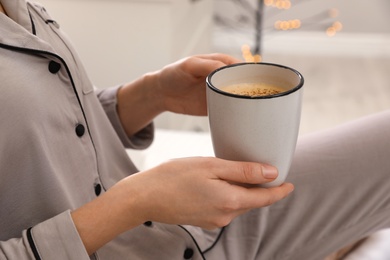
column 226, row 59
column 257, row 197
column 246, row 172
column 201, row 66
column 271, row 195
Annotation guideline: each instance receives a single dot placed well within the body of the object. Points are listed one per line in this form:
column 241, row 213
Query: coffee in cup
column 253, row 89
column 254, row 113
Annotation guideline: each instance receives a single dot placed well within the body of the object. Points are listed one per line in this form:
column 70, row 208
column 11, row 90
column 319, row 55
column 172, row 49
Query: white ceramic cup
column 259, row 129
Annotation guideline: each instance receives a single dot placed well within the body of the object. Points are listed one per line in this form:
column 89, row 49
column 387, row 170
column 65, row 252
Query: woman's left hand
column 182, row 84
column 178, row 87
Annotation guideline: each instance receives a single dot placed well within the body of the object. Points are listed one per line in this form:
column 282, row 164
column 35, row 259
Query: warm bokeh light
column 296, row 23
column 257, row 58
column 334, row 28
column 247, row 54
column 331, row 31
column 338, row 26
column 287, row 25
column 280, row 4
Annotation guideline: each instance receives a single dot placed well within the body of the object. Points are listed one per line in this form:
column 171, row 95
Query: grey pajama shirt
column 62, row 145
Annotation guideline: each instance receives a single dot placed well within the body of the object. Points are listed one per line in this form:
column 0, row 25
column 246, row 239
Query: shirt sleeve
column 55, row 238
column 140, row 140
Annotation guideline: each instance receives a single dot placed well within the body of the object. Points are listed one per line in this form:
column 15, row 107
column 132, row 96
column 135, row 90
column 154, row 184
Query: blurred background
column 341, row 47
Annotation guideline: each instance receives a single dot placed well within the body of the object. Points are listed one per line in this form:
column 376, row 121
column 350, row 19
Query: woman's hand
column 200, row 191
column 205, row 192
column 179, row 88
column 182, row 84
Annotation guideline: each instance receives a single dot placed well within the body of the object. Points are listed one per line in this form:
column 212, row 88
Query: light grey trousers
column 342, row 194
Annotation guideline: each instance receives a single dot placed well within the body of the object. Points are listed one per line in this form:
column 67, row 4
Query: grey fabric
column 342, row 183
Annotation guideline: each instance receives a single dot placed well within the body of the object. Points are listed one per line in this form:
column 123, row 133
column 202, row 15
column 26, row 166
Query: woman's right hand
column 202, row 191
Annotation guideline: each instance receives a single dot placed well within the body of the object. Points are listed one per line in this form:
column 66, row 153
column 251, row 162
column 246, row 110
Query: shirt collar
column 18, row 12
column 17, row 29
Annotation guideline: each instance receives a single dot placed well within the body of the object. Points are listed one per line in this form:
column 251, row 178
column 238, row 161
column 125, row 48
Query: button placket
column 148, row 223
column 54, row 67
column 80, row 130
column 188, row 253
column 98, row 189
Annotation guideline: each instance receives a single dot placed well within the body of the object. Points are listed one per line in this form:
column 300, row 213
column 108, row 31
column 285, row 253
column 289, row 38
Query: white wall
column 120, row 40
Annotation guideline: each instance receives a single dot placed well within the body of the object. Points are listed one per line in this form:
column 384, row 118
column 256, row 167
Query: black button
column 54, row 67
column 188, row 253
column 98, row 189
column 148, row 223
column 80, row 130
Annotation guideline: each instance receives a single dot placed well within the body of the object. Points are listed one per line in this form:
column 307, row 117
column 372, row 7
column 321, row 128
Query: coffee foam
column 253, row 89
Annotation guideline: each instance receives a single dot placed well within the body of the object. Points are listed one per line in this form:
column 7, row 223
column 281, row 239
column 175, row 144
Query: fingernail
column 269, row 172
column 291, row 187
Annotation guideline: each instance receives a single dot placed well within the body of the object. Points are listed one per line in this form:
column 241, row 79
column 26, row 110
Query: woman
column 69, row 191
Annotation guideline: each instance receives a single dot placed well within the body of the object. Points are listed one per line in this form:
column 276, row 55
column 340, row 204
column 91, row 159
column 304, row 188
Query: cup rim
column 212, row 87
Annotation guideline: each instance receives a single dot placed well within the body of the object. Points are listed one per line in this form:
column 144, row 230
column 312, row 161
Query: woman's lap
column 341, row 195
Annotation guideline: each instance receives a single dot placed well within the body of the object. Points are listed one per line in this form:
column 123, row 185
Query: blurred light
column 268, row 2
column 331, row 31
column 245, row 48
column 280, row 4
column 338, row 26
column 287, row 25
column 257, row 58
column 292, row 25
column 333, row 13
column 295, row 24
column 248, row 56
column 334, row 28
